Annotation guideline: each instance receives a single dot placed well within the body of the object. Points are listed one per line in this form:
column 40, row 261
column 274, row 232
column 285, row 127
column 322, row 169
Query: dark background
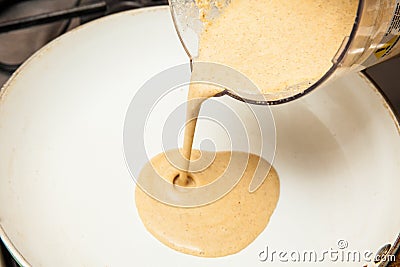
column 387, row 76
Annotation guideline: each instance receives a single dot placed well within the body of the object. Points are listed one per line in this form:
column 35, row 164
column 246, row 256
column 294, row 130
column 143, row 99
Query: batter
column 220, row 228
column 198, row 93
column 223, row 227
column 275, row 43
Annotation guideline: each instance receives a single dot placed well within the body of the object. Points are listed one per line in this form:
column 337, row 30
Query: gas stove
column 26, row 26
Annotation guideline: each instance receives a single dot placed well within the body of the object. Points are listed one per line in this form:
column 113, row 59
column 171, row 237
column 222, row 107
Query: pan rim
column 7, row 87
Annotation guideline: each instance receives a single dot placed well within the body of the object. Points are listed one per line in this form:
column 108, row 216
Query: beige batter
column 221, row 228
column 278, row 43
column 198, row 93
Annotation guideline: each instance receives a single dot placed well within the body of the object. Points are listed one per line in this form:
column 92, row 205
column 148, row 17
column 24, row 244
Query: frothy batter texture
column 278, row 43
column 221, row 228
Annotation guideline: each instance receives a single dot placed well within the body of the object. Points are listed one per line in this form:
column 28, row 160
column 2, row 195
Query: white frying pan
column 66, row 196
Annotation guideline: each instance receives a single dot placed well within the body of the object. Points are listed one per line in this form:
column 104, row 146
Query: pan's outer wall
column 2, row 264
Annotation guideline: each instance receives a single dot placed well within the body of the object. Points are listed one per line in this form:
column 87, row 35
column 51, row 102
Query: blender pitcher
column 375, row 37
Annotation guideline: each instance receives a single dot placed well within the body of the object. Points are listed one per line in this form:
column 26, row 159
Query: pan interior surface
column 67, row 197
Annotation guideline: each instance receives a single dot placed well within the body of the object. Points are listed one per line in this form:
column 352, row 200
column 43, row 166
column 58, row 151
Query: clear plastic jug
column 375, row 38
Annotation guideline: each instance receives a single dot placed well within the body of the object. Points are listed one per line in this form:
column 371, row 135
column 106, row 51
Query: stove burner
column 85, row 12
